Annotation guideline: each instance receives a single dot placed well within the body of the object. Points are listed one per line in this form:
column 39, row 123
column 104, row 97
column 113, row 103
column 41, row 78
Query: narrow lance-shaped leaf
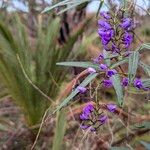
column 72, row 6
column 118, row 63
column 146, row 145
column 100, row 6
column 143, row 47
column 106, row 55
column 133, row 65
column 119, row 148
column 55, row 5
column 145, row 67
column 146, row 82
column 118, row 88
column 85, row 82
column 79, row 64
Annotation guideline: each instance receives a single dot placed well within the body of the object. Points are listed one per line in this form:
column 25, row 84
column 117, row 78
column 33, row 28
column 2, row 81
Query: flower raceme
column 115, row 33
column 91, row 117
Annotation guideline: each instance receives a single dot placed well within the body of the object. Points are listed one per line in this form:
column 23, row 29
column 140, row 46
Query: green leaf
column 68, row 3
column 145, row 67
column 146, row 145
column 133, row 65
column 146, row 82
column 119, row 148
column 72, row 6
column 143, row 47
column 125, row 60
column 85, row 82
column 60, row 130
column 3, row 127
column 100, row 6
column 106, row 57
column 118, row 88
column 144, row 125
column 55, row 5
column 79, row 64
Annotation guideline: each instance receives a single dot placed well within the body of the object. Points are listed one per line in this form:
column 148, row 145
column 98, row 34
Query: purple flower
column 127, row 39
column 91, row 70
column 81, row 89
column 92, row 129
column 103, row 119
column 146, row 88
column 98, row 59
column 88, row 109
column 105, row 14
column 111, row 72
column 111, row 107
column 138, row 83
column 125, row 82
column 104, row 24
column 126, row 23
column 103, row 67
column 105, row 35
column 84, row 116
column 84, row 126
column 107, row 83
column 86, row 112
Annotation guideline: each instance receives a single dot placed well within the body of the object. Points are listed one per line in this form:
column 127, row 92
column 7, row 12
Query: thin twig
column 41, row 125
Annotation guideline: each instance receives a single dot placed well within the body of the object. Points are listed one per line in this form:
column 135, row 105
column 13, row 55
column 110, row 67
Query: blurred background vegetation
column 31, row 44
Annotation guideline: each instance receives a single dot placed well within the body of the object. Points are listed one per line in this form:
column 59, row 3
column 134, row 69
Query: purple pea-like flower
column 111, row 107
column 81, row 89
column 126, row 23
column 125, row 82
column 92, row 129
column 99, row 58
column 88, row 109
column 105, row 15
column 84, row 116
column 103, row 67
column 138, row 83
column 111, row 72
column 103, row 119
column 107, row 83
column 84, row 127
column 91, row 70
column 127, row 39
column 105, row 35
column 104, row 24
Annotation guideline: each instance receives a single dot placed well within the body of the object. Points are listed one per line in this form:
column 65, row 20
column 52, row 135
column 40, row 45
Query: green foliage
column 79, row 64
column 118, row 88
column 68, row 3
column 146, row 145
column 145, row 67
column 60, row 130
column 133, row 65
column 146, row 32
column 38, row 60
column 85, row 82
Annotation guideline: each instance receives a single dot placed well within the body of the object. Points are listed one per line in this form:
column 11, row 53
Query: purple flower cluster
column 86, row 112
column 92, row 119
column 81, row 89
column 136, row 83
column 115, row 34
